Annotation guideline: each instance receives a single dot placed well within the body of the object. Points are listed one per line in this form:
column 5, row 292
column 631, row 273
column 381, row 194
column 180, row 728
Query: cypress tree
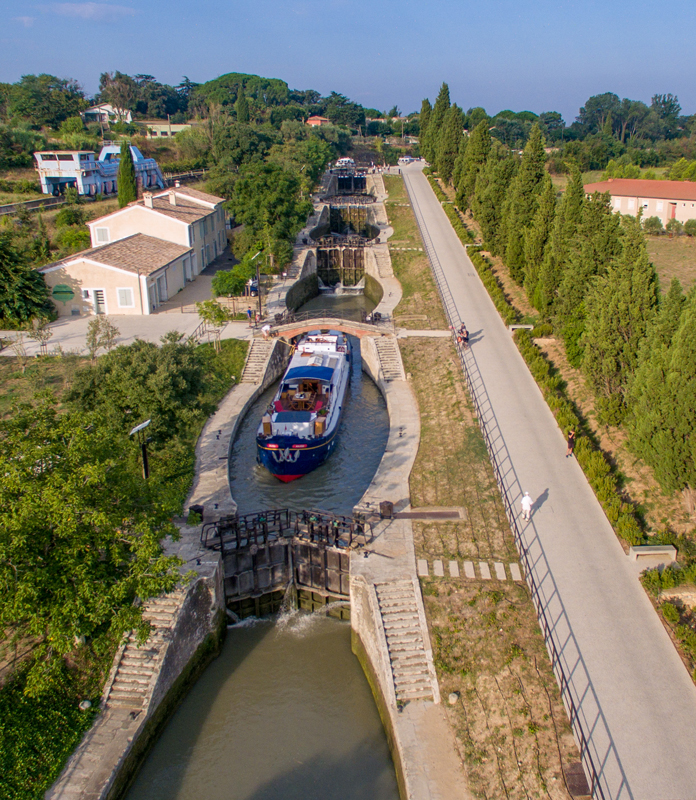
column 459, row 161
column 423, row 123
column 521, row 204
column 491, row 187
column 620, row 306
column 663, row 400
column 127, row 184
column 437, row 118
column 241, row 106
column 568, row 216
column 595, row 244
column 537, row 236
column 475, row 157
column 448, row 144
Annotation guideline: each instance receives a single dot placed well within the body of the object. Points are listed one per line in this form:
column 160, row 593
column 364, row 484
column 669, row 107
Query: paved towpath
column 636, row 704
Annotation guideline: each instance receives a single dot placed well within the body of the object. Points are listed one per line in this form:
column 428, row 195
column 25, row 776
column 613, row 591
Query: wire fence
column 597, row 750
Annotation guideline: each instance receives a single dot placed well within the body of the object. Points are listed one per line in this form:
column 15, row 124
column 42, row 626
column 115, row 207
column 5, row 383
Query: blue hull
column 288, row 463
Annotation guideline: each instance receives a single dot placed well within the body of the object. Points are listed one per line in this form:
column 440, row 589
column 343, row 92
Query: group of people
column 463, row 336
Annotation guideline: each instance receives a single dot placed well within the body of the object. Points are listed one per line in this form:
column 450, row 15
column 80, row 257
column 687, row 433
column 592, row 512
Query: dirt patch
column 673, row 258
column 509, row 721
column 47, row 372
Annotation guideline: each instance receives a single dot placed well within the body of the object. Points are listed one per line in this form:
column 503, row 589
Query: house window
column 102, row 235
column 64, row 157
column 192, row 234
column 125, row 298
column 204, row 227
column 660, row 205
column 631, row 204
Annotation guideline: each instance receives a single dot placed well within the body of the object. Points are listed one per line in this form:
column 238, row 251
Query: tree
column 662, row 399
column 521, row 202
column 477, row 150
column 101, row 332
column 120, row 90
column 566, row 221
column 620, row 308
column 674, row 227
column 448, row 144
column 492, row 186
column 690, row 227
column 78, row 544
column 241, row 107
column 46, row 100
column 127, row 184
column 653, row 226
column 437, row 118
column 593, row 115
column 41, row 333
column 424, row 120
column 537, row 236
column 667, row 109
column 23, row 291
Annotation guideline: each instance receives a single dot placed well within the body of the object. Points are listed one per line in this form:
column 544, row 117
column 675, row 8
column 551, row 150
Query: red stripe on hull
column 288, row 478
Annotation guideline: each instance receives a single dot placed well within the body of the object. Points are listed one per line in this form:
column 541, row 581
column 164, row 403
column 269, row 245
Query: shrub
column 540, row 331
column 494, row 287
column 671, row 613
column 441, row 196
column 653, row 226
column 690, row 227
column 674, row 227
column 460, row 228
column 228, row 283
column 69, row 216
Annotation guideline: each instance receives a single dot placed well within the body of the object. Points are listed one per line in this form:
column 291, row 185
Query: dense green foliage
column 127, row 184
column 23, row 291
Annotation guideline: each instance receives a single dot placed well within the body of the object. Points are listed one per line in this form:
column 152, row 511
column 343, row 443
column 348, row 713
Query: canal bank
column 389, row 633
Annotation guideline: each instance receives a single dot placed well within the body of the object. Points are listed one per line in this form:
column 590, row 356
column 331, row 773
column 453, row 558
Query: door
column 99, row 301
column 162, row 295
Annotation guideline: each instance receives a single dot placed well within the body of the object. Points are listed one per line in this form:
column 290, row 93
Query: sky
column 534, row 55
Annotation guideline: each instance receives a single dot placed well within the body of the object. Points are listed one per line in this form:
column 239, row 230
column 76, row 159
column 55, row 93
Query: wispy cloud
column 26, row 21
column 99, row 12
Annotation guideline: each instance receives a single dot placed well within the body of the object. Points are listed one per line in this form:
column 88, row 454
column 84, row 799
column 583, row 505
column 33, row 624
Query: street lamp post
column 143, row 440
column 258, row 282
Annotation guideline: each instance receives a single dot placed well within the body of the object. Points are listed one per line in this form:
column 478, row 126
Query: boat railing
column 265, row 527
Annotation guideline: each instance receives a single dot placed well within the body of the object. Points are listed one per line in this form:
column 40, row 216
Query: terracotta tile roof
column 196, row 193
column 137, row 253
column 185, row 210
column 634, row 187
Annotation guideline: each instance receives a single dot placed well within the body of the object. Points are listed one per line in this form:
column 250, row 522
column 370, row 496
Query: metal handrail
column 289, row 317
column 502, row 467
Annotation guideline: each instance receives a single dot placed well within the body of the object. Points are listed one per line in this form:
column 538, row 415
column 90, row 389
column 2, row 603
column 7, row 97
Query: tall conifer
column 127, row 184
column 620, row 307
column 423, row 123
column 491, row 187
column 477, row 150
column 521, row 203
column 537, row 236
column 448, row 143
column 437, row 118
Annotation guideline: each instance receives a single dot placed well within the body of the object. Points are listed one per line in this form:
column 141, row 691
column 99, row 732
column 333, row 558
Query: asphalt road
column 635, row 702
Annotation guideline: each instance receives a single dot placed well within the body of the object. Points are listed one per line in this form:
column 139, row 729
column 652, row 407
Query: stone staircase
column 257, row 359
column 390, row 358
column 383, row 261
column 402, row 628
column 138, row 666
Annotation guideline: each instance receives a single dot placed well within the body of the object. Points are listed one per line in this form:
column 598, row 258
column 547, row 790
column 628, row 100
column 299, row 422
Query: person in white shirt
column 526, row 506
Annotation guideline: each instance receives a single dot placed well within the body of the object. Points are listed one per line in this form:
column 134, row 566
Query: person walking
column 526, row 506
column 249, row 314
column 571, row 443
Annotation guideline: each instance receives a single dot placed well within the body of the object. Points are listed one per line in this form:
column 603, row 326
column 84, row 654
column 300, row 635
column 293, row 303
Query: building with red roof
column 663, row 199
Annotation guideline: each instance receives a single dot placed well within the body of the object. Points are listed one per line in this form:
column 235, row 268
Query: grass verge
column 508, row 718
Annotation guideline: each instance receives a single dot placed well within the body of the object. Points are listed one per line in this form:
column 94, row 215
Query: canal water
column 285, row 712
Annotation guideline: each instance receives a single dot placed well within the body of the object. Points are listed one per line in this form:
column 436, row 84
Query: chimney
column 147, row 199
column 172, row 198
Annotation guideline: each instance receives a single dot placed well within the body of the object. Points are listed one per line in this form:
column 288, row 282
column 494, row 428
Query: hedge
column 594, row 464
column 441, row 196
column 495, row 289
column 459, row 227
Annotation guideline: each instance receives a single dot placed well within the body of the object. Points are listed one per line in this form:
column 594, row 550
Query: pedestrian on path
column 526, row 506
column 249, row 314
column 571, row 443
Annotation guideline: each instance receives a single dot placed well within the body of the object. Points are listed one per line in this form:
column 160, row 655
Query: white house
column 663, row 199
column 133, row 275
column 181, row 215
column 105, row 112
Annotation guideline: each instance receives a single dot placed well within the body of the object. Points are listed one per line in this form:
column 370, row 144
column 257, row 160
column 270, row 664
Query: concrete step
column 415, row 694
column 129, row 675
column 127, row 695
column 406, row 639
